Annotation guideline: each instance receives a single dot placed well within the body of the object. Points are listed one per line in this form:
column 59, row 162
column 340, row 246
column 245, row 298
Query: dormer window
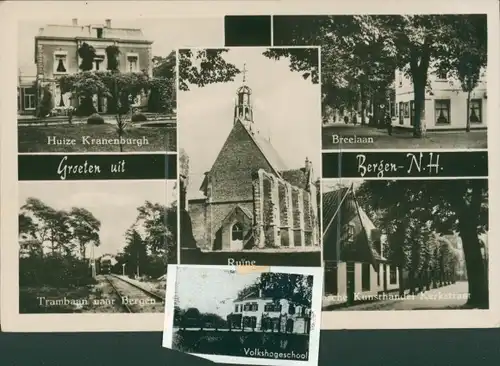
column 132, row 62
column 60, row 62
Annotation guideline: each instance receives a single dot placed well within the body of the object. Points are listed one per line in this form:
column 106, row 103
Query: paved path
column 447, row 297
column 401, row 139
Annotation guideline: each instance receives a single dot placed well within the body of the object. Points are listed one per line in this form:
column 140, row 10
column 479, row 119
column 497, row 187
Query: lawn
column 402, row 139
column 36, row 138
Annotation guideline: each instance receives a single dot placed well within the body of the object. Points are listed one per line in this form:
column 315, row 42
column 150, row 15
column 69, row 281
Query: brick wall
column 233, row 168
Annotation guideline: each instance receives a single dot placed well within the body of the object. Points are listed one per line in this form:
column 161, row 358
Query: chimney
column 74, row 21
column 108, row 23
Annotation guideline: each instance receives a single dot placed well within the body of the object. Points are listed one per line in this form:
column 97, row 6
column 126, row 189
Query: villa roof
column 85, row 31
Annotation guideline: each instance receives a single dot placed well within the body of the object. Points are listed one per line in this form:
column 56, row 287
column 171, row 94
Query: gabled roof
column 340, row 208
column 265, row 147
column 269, row 152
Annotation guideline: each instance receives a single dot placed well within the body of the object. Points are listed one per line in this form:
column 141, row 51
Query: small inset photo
column 245, row 315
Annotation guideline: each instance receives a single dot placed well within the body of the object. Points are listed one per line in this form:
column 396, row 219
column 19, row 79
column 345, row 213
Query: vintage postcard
column 267, row 317
column 249, row 155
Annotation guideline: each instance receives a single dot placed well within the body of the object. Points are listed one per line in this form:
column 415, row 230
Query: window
column 442, row 107
column 29, row 98
column 400, row 78
column 441, row 75
column 393, row 275
column 236, row 308
column 236, row 232
column 291, row 309
column 407, row 110
column 98, row 32
column 60, row 62
column 476, row 111
column 18, row 99
column 132, row 62
column 365, row 276
column 272, row 307
column 349, row 233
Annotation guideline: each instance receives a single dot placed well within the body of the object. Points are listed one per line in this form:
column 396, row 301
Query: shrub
column 95, row 119
column 46, row 103
column 139, row 117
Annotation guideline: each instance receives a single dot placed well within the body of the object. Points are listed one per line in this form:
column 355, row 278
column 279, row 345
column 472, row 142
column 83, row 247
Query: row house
column 445, row 106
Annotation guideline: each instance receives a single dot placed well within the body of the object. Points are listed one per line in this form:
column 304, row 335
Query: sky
column 114, row 203
column 193, row 292
column 167, row 34
column 328, row 185
column 286, row 110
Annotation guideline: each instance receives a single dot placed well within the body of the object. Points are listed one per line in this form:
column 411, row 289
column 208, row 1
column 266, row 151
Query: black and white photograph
column 95, row 246
column 398, row 81
column 249, row 156
column 259, row 318
column 405, row 244
column 102, row 85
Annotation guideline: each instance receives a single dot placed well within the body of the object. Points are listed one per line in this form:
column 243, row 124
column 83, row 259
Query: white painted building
column 445, row 106
column 263, row 314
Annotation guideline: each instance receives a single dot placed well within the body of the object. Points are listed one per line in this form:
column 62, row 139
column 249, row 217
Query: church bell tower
column 243, row 106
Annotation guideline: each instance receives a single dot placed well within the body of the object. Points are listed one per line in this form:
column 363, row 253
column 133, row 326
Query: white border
column 317, row 292
column 11, row 12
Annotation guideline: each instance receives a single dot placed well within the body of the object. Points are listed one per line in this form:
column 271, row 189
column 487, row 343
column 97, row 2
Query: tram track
column 134, row 298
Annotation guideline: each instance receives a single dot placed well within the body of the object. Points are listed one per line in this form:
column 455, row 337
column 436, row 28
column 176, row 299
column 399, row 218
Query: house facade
column 445, row 106
column 354, row 264
column 56, row 54
column 261, row 313
column 249, row 199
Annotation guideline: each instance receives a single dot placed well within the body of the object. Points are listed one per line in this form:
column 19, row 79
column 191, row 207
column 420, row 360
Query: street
column 400, row 139
column 448, row 297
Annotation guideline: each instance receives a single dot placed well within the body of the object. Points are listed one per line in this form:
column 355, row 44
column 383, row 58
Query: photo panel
column 249, row 148
column 89, row 248
column 268, row 317
column 102, row 85
column 412, row 245
column 398, row 81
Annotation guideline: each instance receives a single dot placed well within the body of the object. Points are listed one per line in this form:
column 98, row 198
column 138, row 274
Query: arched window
column 237, row 232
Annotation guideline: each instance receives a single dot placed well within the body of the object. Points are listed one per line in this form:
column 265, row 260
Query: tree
column 83, row 86
column 85, row 228
column 461, row 208
column 135, row 251
column 48, row 224
column 160, row 227
column 87, row 54
column 464, row 60
column 112, row 53
column 204, row 67
column 46, row 104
